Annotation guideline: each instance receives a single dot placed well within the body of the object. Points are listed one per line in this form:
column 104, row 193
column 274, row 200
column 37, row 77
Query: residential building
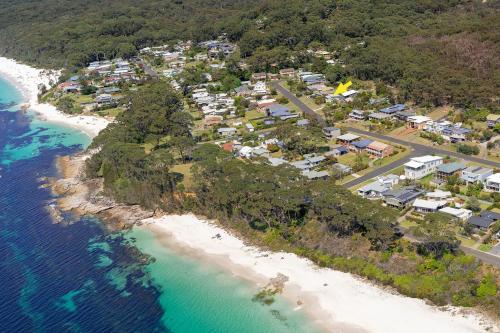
column 331, row 132
column 259, row 76
column 474, row 174
column 347, row 139
column 444, row 171
column 249, row 127
column 226, row 131
column 428, row 206
column 338, row 151
column 342, row 169
column 316, row 174
column 376, row 189
column 419, row 167
column 493, row 183
column 360, row 145
column 379, row 116
column 393, row 109
column 492, row 120
column 287, row 73
column 438, row 195
column 402, row 197
column 379, row 149
column 417, row 122
column 459, row 213
column 357, row 115
column 302, row 122
column 404, row 115
column 484, row 220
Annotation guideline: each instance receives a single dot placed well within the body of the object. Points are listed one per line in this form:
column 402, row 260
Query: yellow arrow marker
column 342, row 88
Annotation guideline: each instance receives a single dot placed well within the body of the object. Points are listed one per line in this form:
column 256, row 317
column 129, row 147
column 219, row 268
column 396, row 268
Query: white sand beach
column 338, row 301
column 27, row 79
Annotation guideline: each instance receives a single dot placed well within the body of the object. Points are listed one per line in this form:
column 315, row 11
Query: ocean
column 74, row 276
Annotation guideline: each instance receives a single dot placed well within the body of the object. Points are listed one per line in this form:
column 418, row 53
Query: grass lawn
column 82, row 98
column 110, row 112
column 485, row 247
column 185, row 169
column 253, row 114
column 407, row 223
column 466, row 241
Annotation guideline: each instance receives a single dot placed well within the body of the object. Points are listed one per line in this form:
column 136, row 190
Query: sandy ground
column 337, row 301
column 28, row 79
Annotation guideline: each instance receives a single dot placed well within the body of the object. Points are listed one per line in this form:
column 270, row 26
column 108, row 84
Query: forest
column 435, row 52
column 138, row 157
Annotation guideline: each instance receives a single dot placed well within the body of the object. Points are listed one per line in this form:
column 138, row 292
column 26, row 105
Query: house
column 484, row 220
column 259, row 88
column 228, row 146
column 438, row 195
column 444, row 171
column 337, row 151
column 276, row 110
column 349, row 94
column 249, row 127
column 342, row 169
column 492, row 120
column 331, row 132
column 376, row 189
column 104, row 100
column 274, row 161
column 474, row 174
column 417, row 122
column 287, row 73
column 313, row 79
column 347, row 139
column 428, row 206
column 357, row 114
column 302, row 165
column 404, row 115
column 402, row 197
column 493, row 183
column 303, row 122
column 226, row 131
column 393, row 109
column 316, row 174
column 455, row 134
column 246, row 152
column 459, row 213
column 378, row 116
column 419, row 167
column 360, row 145
column 379, row 149
column 259, row 77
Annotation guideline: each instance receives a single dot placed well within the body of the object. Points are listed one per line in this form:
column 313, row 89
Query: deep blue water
column 74, row 276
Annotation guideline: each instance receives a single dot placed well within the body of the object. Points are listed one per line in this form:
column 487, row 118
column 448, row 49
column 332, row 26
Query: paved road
column 425, row 149
column 292, row 98
column 417, row 149
column 487, row 258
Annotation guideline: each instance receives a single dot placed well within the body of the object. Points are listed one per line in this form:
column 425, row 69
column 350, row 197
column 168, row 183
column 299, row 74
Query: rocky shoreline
column 80, row 195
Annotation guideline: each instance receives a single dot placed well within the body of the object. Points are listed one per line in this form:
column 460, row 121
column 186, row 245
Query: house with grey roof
column 331, row 132
column 474, row 174
column 376, row 189
column 402, row 197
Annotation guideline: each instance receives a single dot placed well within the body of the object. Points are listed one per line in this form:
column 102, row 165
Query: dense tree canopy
column 434, row 51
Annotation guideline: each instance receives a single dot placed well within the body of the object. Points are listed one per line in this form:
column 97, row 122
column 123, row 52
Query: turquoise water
column 202, row 297
column 76, row 277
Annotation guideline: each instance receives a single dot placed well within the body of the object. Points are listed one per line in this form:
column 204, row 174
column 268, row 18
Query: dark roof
column 393, row 109
column 342, row 149
column 488, row 214
column 276, row 108
column 480, row 222
column 361, row 144
column 450, row 167
column 404, row 195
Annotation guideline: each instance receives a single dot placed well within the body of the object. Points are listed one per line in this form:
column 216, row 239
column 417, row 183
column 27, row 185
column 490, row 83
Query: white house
column 419, row 167
column 474, row 174
column 460, row 213
column 428, row 206
column 493, row 183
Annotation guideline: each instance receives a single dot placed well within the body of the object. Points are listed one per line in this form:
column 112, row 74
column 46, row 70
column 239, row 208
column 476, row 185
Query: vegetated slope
column 435, row 51
column 63, row 32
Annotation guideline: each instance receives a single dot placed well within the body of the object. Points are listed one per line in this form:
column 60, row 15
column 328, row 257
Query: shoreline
column 27, row 79
column 334, row 300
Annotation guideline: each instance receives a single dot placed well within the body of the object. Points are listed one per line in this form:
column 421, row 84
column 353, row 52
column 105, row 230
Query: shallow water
column 75, row 277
